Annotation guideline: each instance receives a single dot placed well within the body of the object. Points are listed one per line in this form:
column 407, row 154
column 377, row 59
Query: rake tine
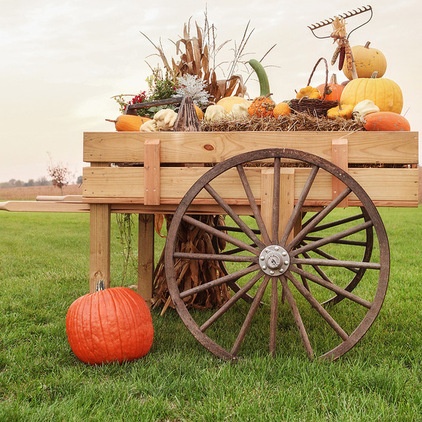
column 344, row 15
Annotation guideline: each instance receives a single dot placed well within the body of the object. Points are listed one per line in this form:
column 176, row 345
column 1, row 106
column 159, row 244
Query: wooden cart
column 301, row 226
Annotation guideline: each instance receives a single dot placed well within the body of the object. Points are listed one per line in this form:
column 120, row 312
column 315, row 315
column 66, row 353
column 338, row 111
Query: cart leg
column 99, row 245
column 145, row 256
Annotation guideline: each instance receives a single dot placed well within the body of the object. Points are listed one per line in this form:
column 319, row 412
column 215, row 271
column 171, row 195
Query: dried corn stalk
column 196, row 55
column 192, row 239
column 193, row 272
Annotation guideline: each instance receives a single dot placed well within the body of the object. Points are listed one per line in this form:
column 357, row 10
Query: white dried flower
column 192, row 86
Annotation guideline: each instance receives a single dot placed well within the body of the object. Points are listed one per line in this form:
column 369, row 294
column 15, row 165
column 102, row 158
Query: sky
column 61, row 62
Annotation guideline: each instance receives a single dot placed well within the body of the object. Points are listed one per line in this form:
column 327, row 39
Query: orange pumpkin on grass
column 109, row 325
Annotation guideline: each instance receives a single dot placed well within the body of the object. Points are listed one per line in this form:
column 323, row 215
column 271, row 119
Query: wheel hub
column 274, row 260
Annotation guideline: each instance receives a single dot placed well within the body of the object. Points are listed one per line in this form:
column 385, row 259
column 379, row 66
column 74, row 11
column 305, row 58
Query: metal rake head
column 344, row 15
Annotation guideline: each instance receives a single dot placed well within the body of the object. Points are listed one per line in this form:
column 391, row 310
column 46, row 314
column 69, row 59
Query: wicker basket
column 315, row 107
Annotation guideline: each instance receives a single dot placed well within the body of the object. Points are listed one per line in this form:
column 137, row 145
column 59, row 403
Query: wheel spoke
column 254, row 206
column 332, row 286
column 319, row 217
column 225, row 279
column 218, row 233
column 298, row 319
column 319, row 252
column 333, row 238
column 215, row 257
column 336, row 263
column 241, row 292
column 274, row 315
column 318, row 307
column 298, row 207
column 337, row 223
column 248, row 320
column 226, row 207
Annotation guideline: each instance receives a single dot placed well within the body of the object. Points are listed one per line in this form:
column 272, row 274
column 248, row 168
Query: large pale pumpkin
column 111, row 325
column 385, row 93
column 367, row 61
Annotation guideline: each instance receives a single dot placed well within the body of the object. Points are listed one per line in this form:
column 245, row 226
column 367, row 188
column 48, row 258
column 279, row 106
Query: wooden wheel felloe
column 317, row 276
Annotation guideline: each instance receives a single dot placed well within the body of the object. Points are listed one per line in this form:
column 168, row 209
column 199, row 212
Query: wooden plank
column 125, row 185
column 63, row 198
column 266, row 199
column 213, row 147
column 44, row 206
column 99, row 252
column 340, row 158
column 152, row 172
column 287, row 198
column 388, row 186
column 145, row 256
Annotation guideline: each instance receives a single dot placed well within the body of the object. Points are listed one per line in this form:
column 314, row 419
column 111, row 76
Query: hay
column 292, row 122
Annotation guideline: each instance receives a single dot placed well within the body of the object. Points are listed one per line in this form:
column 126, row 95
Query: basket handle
column 326, row 74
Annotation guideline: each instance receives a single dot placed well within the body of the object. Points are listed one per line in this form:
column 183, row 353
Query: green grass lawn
column 44, row 268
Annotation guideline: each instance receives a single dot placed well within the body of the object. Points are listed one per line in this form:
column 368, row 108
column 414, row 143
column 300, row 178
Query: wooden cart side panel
column 213, row 147
column 386, row 186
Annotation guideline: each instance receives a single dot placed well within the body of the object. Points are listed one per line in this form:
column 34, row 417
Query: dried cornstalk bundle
column 194, row 272
column 196, row 55
column 192, row 239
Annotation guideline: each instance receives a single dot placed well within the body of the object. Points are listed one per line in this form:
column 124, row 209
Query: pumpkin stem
column 100, row 286
column 367, row 44
column 333, row 79
column 374, row 74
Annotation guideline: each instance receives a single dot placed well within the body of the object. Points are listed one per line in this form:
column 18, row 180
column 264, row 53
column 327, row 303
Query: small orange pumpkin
column 332, row 90
column 386, row 121
column 128, row 122
column 109, row 325
column 281, row 109
column 262, row 106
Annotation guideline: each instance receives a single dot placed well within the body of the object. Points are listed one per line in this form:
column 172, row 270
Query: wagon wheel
column 302, row 269
column 356, row 273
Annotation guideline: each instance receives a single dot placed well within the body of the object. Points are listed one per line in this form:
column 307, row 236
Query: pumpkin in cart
column 129, row 122
column 109, row 325
column 367, row 61
column 385, row 93
column 332, row 90
column 387, row 121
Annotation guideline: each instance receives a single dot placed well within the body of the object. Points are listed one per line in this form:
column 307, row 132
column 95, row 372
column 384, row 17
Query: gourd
column 109, row 325
column 199, row 112
column 308, row 92
column 386, row 121
column 364, row 107
column 332, row 90
column 367, row 61
column 281, row 109
column 128, row 122
column 215, row 112
column 262, row 107
column 385, row 93
column 264, row 84
column 229, row 102
column 345, row 111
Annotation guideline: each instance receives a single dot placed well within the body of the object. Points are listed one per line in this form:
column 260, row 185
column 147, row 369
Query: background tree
column 60, row 175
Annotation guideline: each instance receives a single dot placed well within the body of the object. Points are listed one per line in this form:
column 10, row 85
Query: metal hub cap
column 274, row 260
